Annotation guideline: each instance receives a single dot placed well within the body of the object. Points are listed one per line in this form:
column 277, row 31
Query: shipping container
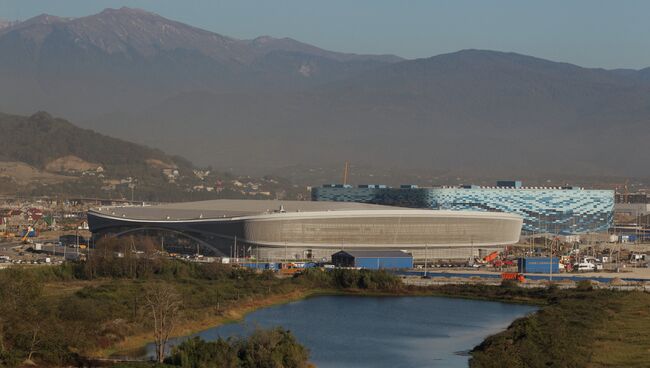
column 538, row 265
column 261, row 266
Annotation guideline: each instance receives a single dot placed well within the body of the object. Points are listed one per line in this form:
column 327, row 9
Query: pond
column 349, row 331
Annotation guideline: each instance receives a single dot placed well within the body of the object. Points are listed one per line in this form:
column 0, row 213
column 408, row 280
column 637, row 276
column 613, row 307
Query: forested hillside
column 42, row 155
column 41, row 139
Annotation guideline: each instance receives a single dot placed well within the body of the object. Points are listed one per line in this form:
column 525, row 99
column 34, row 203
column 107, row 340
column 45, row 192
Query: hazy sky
column 609, row 34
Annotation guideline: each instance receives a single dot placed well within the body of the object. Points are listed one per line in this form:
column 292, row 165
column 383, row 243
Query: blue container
column 374, row 260
column 31, row 234
column 538, row 265
column 377, row 263
column 261, row 266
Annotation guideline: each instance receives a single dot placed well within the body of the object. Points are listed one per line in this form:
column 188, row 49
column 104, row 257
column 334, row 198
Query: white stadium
column 274, row 230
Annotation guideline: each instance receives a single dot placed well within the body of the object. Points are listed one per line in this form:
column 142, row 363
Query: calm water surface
column 348, row 331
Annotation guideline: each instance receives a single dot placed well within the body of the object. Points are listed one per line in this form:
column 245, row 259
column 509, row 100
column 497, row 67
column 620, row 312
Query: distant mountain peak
column 126, row 10
column 263, row 39
column 40, row 116
column 136, row 34
column 38, row 21
column 45, row 19
column 5, row 23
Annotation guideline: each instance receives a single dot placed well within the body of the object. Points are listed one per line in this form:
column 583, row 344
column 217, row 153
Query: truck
column 289, row 269
column 635, row 257
column 516, row 276
column 71, row 240
column 490, row 257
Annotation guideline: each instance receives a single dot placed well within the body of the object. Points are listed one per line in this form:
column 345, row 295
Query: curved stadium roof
column 229, row 208
column 238, row 208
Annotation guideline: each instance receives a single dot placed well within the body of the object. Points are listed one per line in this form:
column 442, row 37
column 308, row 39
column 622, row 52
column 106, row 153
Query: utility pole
column 471, row 257
column 91, row 241
column 426, row 258
column 550, row 261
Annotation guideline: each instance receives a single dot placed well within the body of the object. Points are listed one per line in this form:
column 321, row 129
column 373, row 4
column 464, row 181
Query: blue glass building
column 567, row 210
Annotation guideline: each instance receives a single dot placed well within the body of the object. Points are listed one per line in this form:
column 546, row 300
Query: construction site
column 46, row 231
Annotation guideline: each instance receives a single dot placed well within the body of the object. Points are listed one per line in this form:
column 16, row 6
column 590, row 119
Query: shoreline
column 136, row 344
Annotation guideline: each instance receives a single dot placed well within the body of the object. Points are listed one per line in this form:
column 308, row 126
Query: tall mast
column 346, row 172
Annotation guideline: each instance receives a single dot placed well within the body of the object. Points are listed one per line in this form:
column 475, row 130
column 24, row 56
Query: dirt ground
column 626, row 272
column 25, row 174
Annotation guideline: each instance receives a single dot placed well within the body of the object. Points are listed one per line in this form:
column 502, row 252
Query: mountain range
column 274, row 102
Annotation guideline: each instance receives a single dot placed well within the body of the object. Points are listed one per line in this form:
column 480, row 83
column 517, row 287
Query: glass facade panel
column 545, row 210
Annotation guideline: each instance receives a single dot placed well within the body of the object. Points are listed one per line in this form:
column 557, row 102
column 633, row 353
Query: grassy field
column 577, row 328
column 623, row 340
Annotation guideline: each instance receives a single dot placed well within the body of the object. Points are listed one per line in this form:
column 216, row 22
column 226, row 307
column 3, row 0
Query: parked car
column 584, row 266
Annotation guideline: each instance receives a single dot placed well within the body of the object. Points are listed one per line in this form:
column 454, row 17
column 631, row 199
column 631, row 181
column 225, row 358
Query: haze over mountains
column 269, row 102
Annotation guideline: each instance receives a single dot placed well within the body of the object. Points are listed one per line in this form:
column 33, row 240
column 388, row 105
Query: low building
column 373, row 259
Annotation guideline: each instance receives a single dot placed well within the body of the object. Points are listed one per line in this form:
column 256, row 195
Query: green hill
column 43, row 155
column 40, row 139
column 46, row 156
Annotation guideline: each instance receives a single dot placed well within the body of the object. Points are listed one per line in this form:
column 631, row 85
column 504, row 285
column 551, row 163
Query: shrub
column 509, row 284
column 584, row 285
column 263, row 348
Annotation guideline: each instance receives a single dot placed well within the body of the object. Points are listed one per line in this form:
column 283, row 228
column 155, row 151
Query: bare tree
column 162, row 304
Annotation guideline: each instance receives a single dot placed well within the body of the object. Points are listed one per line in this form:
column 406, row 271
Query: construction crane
column 25, row 237
column 29, row 229
column 624, row 187
column 490, row 257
